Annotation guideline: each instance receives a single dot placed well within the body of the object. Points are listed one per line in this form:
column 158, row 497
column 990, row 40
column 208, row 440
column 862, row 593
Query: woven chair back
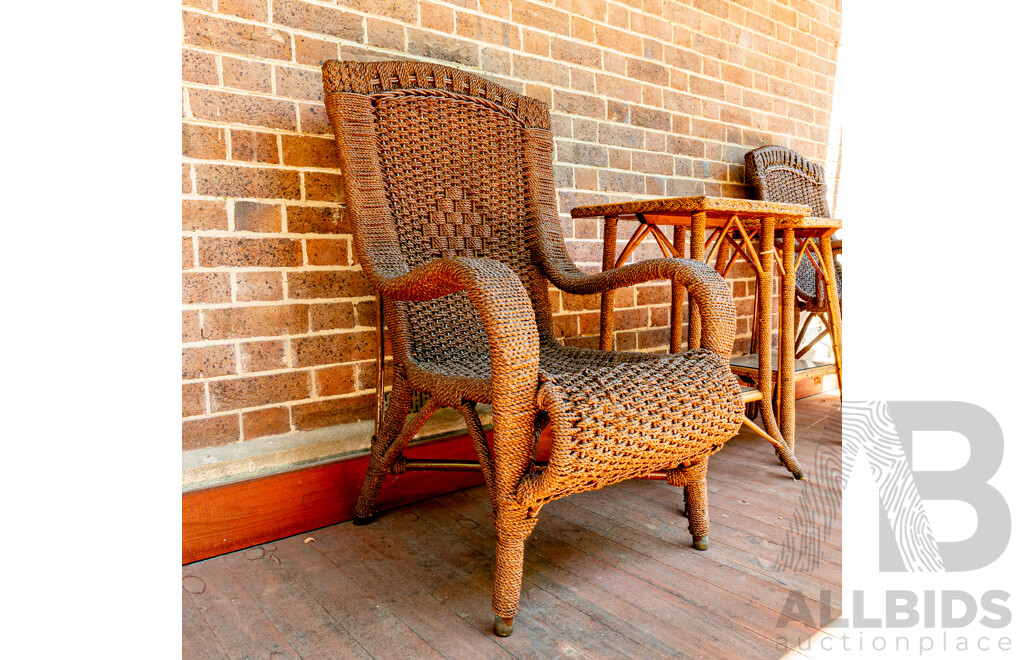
column 782, row 175
column 779, row 174
column 447, row 160
column 454, row 174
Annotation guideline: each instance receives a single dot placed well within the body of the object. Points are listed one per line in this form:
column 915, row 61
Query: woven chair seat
column 627, row 420
column 466, row 374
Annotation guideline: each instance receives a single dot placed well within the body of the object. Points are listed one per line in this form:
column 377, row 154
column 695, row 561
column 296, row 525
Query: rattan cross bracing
column 448, row 183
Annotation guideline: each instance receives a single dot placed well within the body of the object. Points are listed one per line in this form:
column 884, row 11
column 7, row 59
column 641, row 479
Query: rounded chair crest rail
column 379, row 77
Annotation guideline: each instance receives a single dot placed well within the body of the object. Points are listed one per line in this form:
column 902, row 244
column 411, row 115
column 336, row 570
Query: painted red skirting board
column 226, row 518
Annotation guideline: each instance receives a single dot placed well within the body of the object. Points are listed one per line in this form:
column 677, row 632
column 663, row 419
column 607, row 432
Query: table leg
column 834, row 313
column 787, row 299
column 678, row 292
column 765, row 274
column 608, row 297
column 765, row 378
column 698, row 223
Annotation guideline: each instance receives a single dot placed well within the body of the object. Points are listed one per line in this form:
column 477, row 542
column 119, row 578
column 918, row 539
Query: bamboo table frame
column 733, row 223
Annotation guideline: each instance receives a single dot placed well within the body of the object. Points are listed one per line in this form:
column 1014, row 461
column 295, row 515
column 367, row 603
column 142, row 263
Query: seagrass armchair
column 448, row 184
column 779, row 174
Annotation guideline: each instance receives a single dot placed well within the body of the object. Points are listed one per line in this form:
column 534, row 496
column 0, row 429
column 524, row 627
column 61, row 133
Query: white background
column 933, row 230
column 931, row 190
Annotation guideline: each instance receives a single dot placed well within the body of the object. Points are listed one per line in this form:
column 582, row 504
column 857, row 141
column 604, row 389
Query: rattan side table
column 734, row 224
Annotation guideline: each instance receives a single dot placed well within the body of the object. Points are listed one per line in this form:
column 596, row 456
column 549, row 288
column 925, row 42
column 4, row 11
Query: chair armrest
column 706, row 287
column 547, row 243
column 500, row 299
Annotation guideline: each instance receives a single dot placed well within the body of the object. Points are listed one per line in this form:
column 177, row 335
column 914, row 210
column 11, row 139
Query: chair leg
column 697, row 502
column 398, row 407
column 514, row 526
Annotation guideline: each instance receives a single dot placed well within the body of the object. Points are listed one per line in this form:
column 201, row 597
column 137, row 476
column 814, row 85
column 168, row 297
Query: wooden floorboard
column 608, row 574
column 551, row 542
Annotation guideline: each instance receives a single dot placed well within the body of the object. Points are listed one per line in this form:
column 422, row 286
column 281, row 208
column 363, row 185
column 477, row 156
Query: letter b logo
column 883, row 431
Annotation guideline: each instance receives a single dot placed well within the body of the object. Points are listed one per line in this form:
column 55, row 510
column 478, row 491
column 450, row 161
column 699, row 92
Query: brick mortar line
column 190, row 307
column 213, row 343
column 260, row 165
column 219, row 63
column 301, row 268
column 292, row 168
column 259, row 340
column 602, row 168
column 289, row 403
column 272, row 372
column 236, row 353
column 229, row 149
column 214, row 307
column 313, row 203
column 239, row 233
column 186, row 103
column 207, row 401
column 291, row 201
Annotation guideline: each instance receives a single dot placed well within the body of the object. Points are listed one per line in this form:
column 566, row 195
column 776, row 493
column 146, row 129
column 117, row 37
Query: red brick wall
column 648, row 97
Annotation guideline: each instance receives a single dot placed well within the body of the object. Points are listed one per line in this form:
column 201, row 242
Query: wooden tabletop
column 733, row 206
column 717, row 210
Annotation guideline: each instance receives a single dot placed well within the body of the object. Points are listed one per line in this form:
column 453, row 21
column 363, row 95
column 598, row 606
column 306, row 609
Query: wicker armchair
column 779, row 174
column 448, row 183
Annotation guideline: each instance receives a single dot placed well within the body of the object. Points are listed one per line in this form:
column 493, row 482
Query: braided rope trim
column 765, row 159
column 779, row 174
column 373, row 78
column 627, row 420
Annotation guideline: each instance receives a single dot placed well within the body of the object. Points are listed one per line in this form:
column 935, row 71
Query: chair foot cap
column 503, row 627
column 799, row 476
column 700, row 542
column 359, row 521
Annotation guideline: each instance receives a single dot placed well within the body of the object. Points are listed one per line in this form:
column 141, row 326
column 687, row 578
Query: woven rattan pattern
column 454, row 172
column 779, row 174
column 617, row 425
column 448, row 182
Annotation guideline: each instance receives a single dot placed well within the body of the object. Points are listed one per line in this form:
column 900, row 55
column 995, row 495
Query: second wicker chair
column 448, row 183
column 779, row 174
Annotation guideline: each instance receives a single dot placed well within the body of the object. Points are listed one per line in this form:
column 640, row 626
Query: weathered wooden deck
column 608, row 574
